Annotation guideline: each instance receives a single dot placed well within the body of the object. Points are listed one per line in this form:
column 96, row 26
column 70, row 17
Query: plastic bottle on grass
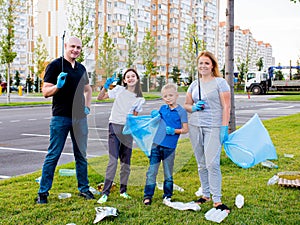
column 269, row 164
column 178, row 188
column 273, row 180
column 64, row 195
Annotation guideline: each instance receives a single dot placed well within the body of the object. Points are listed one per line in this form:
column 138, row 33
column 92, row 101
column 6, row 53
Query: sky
column 276, row 22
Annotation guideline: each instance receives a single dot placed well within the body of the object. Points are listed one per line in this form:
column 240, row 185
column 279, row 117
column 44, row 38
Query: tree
column 260, row 63
column 175, row 75
column 79, row 25
column 278, row 75
column 130, row 37
column 7, row 55
column 192, row 45
column 161, row 80
column 295, row 1
column 40, row 59
column 108, row 59
column 148, row 53
column 17, row 78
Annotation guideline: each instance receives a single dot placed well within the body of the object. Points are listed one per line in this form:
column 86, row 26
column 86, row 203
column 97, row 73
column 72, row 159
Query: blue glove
column 223, row 134
column 154, row 113
column 87, row 110
column 61, row 79
column 170, row 130
column 110, row 80
column 198, row 106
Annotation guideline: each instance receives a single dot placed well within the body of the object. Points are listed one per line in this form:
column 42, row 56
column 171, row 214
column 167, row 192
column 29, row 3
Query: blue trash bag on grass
column 143, row 130
column 250, row 145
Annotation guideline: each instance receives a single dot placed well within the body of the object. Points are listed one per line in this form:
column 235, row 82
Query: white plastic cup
column 239, row 201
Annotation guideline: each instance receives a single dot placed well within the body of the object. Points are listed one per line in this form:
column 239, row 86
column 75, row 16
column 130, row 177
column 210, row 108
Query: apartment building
column 246, row 49
column 23, row 39
column 168, row 21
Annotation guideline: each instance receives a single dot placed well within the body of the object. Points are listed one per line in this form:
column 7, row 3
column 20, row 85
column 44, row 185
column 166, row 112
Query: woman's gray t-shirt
column 211, row 116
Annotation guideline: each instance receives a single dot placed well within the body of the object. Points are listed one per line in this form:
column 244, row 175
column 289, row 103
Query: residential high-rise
column 167, row 20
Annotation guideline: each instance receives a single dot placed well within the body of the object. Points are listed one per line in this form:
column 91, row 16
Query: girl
column 128, row 100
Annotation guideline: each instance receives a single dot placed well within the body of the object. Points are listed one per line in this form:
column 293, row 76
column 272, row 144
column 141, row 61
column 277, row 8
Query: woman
column 208, row 125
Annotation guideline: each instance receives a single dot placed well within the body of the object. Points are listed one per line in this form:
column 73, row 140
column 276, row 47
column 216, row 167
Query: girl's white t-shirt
column 125, row 103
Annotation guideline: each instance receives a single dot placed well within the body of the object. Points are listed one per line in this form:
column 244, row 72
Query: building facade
column 168, row 21
column 246, row 49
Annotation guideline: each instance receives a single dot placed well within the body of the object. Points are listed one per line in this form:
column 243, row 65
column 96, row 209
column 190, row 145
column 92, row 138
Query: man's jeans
column 167, row 156
column 59, row 129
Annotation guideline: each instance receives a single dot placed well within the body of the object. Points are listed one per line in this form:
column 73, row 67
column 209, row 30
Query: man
column 71, row 102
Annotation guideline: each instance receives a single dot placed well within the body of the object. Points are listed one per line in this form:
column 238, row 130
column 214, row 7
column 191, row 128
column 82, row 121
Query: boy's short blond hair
column 169, row 86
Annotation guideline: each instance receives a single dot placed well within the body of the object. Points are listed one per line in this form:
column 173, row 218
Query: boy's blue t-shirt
column 172, row 118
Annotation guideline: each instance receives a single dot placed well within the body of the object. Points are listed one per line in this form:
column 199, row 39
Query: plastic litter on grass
column 67, row 172
column 102, row 212
column 216, row 215
column 239, row 201
column 182, row 206
column 160, row 186
column 64, row 195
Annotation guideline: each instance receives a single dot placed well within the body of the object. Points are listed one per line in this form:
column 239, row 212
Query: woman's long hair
column 215, row 70
column 138, row 88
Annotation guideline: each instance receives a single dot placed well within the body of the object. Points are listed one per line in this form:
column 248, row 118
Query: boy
column 173, row 123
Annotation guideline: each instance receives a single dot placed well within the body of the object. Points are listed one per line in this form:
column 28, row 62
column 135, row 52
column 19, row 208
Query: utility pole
column 229, row 59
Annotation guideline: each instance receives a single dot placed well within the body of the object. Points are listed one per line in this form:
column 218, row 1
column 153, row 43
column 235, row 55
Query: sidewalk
column 14, row 97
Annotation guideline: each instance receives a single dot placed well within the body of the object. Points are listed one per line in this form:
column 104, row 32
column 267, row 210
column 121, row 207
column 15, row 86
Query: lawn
column 264, row 204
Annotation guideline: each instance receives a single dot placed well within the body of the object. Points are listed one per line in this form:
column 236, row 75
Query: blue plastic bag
column 143, row 130
column 250, row 145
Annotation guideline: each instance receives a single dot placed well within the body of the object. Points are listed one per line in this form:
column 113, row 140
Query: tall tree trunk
column 229, row 59
column 8, row 84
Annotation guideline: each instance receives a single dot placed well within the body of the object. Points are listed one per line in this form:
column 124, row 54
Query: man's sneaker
column 87, row 195
column 103, row 199
column 41, row 199
column 125, row 195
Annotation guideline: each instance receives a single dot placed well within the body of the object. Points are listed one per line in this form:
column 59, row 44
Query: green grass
column 25, row 103
column 264, row 204
column 287, row 98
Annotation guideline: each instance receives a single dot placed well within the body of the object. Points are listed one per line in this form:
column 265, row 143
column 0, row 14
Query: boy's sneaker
column 125, row 195
column 166, row 200
column 103, row 199
column 41, row 199
column 87, row 195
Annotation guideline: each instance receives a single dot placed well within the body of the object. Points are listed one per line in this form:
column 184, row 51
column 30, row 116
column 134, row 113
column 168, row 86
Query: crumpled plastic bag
column 250, row 145
column 143, row 130
column 102, row 212
column 182, row 206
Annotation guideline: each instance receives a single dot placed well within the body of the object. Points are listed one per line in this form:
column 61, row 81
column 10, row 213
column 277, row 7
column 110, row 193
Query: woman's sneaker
column 103, row 199
column 125, row 195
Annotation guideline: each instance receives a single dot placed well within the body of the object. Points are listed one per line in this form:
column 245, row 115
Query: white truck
column 259, row 82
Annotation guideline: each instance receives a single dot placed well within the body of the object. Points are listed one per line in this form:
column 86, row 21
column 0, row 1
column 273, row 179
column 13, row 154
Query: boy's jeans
column 167, row 156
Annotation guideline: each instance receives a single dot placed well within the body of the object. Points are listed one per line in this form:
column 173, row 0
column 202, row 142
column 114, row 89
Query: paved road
column 24, row 132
